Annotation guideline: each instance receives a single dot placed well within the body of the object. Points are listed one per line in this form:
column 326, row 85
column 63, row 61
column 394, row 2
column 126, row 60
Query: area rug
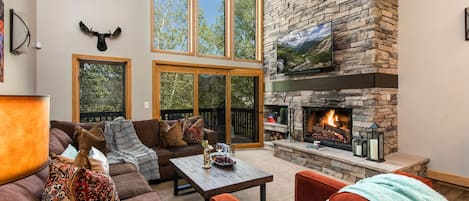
column 281, row 189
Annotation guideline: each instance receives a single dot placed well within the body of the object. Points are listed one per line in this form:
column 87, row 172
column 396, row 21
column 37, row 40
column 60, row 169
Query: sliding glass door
column 212, row 102
column 228, row 99
column 177, row 95
column 244, row 104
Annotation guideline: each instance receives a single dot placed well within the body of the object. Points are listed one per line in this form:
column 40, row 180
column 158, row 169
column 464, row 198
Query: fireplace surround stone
column 365, row 54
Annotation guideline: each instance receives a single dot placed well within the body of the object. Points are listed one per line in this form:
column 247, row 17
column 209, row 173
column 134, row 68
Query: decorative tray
column 222, row 159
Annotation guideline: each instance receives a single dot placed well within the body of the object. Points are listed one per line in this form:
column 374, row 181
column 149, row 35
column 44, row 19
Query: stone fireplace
column 363, row 82
column 335, row 105
column 331, row 126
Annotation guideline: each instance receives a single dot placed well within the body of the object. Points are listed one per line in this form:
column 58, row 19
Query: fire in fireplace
column 331, row 126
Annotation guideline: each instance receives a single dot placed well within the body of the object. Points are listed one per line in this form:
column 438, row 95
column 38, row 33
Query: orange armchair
column 311, row 186
column 224, row 197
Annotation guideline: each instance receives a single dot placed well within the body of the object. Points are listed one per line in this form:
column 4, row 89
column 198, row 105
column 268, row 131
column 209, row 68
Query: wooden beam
column 361, row 81
column 448, row 177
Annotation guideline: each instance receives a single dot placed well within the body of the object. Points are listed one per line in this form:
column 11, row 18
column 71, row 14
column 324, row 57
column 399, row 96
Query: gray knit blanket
column 124, row 146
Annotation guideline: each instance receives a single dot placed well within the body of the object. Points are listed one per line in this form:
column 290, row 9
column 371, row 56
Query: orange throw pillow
column 92, row 138
column 172, row 135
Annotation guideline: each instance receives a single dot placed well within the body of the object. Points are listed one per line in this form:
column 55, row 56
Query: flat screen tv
column 307, row 51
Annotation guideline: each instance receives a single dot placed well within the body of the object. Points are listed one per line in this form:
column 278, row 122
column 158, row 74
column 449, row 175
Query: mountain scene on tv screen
column 306, row 50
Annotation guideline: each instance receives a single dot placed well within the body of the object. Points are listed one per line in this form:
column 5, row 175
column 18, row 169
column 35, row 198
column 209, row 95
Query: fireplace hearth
column 331, row 126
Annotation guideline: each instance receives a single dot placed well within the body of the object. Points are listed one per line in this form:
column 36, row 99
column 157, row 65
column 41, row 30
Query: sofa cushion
column 131, row 184
column 55, row 146
column 66, row 126
column 64, row 139
column 69, row 127
column 26, row 189
column 121, row 168
column 190, row 150
column 163, row 155
column 30, row 189
column 153, row 196
column 148, row 131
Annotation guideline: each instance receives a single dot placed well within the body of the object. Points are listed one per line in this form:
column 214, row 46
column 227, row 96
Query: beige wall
column 20, row 70
column 433, row 95
column 61, row 37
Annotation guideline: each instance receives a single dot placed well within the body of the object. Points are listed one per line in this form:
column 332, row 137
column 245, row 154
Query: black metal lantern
column 359, row 147
column 375, row 143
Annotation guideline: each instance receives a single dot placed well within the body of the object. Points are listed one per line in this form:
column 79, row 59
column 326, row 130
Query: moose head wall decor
column 101, row 36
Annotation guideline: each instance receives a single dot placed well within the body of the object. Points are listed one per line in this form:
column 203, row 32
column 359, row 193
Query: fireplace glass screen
column 331, row 126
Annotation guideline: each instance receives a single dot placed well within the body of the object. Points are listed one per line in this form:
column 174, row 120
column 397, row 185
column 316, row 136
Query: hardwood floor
column 451, row 192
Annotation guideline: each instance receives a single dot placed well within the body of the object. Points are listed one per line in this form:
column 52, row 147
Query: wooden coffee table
column 217, row 180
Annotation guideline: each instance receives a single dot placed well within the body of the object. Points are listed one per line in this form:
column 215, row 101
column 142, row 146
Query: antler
column 117, row 32
column 85, row 29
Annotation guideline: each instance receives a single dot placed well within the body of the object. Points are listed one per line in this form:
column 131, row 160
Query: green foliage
column 177, row 91
column 212, row 91
column 102, row 87
column 289, row 56
column 283, row 115
column 170, row 26
column 307, row 53
column 243, row 92
column 324, row 56
column 245, row 29
column 212, row 38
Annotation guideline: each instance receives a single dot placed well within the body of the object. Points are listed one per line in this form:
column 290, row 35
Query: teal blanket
column 393, row 187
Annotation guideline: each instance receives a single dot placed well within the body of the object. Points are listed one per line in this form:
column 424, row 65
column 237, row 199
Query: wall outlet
column 146, row 105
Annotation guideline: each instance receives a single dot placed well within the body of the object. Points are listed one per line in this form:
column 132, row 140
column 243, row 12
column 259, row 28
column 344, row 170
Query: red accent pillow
column 194, row 133
column 69, row 182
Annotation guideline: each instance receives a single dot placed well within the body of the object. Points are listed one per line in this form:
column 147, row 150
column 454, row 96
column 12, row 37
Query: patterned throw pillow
column 194, row 134
column 68, row 182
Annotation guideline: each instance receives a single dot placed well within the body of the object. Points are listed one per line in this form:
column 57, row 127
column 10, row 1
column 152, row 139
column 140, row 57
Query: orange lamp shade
column 24, row 136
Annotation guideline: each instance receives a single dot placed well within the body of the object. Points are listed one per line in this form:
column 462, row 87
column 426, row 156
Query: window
column 171, row 25
column 211, row 27
column 229, row 100
column 101, row 88
column 228, row 29
column 177, row 92
column 245, row 29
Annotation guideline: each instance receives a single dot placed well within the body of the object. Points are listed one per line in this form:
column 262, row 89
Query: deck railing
column 243, row 121
column 100, row 116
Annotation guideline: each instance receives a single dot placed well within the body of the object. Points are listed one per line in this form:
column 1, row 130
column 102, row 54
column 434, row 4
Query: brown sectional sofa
column 130, row 184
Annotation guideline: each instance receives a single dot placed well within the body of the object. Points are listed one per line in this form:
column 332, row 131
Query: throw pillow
column 172, row 135
column 93, row 137
column 85, row 162
column 101, row 158
column 68, row 182
column 194, row 134
column 70, row 152
column 82, row 160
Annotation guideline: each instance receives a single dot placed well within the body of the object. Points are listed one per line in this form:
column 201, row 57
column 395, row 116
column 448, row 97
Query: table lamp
column 24, row 136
